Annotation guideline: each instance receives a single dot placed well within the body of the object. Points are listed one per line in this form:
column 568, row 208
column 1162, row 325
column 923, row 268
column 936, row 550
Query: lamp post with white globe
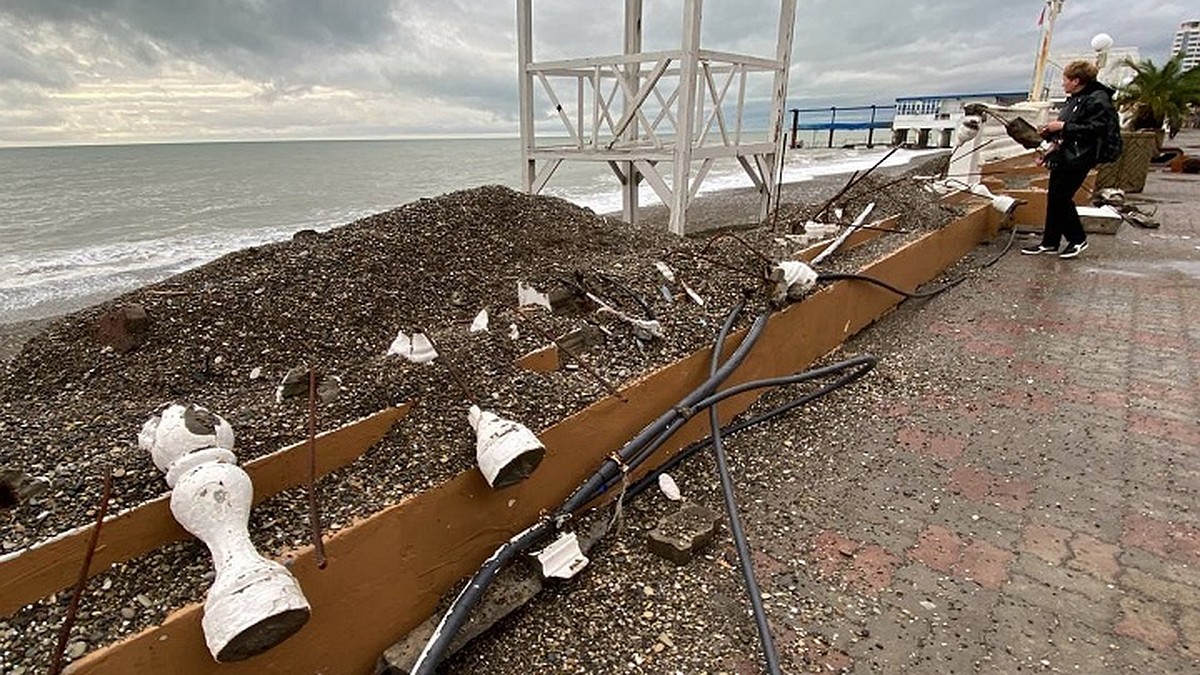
column 1102, row 43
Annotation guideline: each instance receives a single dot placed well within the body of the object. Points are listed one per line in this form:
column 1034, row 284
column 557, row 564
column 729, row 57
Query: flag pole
column 1049, row 13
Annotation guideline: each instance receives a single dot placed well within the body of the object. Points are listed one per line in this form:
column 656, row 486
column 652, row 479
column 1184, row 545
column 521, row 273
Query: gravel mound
column 223, row 335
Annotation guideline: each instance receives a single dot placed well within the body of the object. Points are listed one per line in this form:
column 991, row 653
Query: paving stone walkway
column 1037, row 509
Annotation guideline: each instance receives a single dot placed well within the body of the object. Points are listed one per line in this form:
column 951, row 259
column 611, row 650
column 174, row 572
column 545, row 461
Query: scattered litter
column 528, row 296
column 643, row 329
column 792, row 279
column 669, row 487
column 480, row 324
column 665, row 270
column 416, row 348
column 563, row 558
column 507, row 451
column 695, row 297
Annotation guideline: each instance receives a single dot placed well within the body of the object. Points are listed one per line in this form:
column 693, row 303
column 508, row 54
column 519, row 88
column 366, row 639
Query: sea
column 82, row 224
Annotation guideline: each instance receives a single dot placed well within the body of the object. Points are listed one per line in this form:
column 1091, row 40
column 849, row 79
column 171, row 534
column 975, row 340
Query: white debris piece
column 528, row 296
column 647, row 329
column 181, row 429
column 792, row 280
column 563, row 558
column 816, row 230
column 480, row 324
column 507, row 451
column 514, row 333
column 665, row 270
column 644, row 329
column 968, row 128
column 253, row 603
column 416, row 348
column 669, row 487
column 695, row 297
column 1002, row 203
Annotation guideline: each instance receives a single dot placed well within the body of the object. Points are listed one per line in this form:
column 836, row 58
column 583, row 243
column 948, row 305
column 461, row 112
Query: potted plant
column 1153, row 99
column 1157, row 96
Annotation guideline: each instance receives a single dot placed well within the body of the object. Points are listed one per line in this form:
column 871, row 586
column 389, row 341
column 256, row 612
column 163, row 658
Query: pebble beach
column 319, row 298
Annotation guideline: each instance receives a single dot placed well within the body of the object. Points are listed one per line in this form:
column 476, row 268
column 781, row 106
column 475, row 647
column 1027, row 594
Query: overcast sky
column 117, row 71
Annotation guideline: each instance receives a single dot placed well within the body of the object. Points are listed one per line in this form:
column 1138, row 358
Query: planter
column 1128, row 173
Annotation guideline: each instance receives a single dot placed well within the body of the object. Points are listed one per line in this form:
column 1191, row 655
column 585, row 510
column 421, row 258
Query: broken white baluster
column 507, row 452
column 254, row 603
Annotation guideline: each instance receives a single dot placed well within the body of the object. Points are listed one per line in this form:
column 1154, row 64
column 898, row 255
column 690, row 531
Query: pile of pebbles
column 224, row 335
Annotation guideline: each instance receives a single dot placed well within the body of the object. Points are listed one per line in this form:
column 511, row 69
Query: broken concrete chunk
column 682, row 535
column 295, row 385
column 18, row 487
column 125, row 328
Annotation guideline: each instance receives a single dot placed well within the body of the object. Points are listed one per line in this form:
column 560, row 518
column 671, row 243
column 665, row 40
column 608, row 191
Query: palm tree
column 1156, row 95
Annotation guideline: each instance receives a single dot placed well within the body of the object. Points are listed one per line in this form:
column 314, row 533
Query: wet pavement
column 1032, row 505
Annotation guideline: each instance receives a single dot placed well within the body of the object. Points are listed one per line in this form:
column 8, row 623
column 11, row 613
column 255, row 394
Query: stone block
column 683, row 534
column 124, row 329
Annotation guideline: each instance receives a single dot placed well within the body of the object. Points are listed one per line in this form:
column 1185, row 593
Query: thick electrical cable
column 628, row 458
column 862, row 364
column 753, row 592
column 838, row 276
column 1012, row 237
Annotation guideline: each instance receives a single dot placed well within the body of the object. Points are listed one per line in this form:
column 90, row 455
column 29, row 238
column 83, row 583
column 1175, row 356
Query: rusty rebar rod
column 455, row 374
column 64, row 632
column 854, row 180
column 314, row 508
column 574, row 357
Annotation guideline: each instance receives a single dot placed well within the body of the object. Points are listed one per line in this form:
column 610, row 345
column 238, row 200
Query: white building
column 1115, row 70
column 935, row 117
column 1187, row 42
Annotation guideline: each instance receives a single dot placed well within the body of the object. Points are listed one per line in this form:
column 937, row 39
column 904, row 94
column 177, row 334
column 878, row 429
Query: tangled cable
column 635, row 452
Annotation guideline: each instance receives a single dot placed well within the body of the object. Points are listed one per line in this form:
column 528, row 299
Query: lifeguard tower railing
column 640, row 110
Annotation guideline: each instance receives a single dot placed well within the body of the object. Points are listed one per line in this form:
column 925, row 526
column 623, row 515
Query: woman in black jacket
column 1077, row 134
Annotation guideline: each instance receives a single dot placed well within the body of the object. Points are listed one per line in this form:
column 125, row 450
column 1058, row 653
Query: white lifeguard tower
column 674, row 107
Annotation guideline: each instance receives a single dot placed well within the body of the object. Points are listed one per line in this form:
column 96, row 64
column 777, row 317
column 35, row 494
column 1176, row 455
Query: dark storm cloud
column 214, row 26
column 391, row 64
column 19, row 64
column 252, row 38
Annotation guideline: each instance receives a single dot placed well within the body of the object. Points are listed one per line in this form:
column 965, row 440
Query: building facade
column 1187, row 42
column 934, row 118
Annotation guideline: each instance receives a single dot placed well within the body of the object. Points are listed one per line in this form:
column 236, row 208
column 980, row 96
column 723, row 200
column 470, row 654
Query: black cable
column 655, row 434
column 453, row 620
column 631, row 455
column 632, row 294
column 837, row 276
column 1012, row 237
column 770, row 654
column 864, row 364
column 627, row 459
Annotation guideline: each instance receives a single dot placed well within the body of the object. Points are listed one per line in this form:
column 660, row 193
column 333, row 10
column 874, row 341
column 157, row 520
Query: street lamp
column 1101, row 43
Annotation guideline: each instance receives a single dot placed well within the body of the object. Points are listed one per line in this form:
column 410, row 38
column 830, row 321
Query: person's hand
column 1051, row 128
